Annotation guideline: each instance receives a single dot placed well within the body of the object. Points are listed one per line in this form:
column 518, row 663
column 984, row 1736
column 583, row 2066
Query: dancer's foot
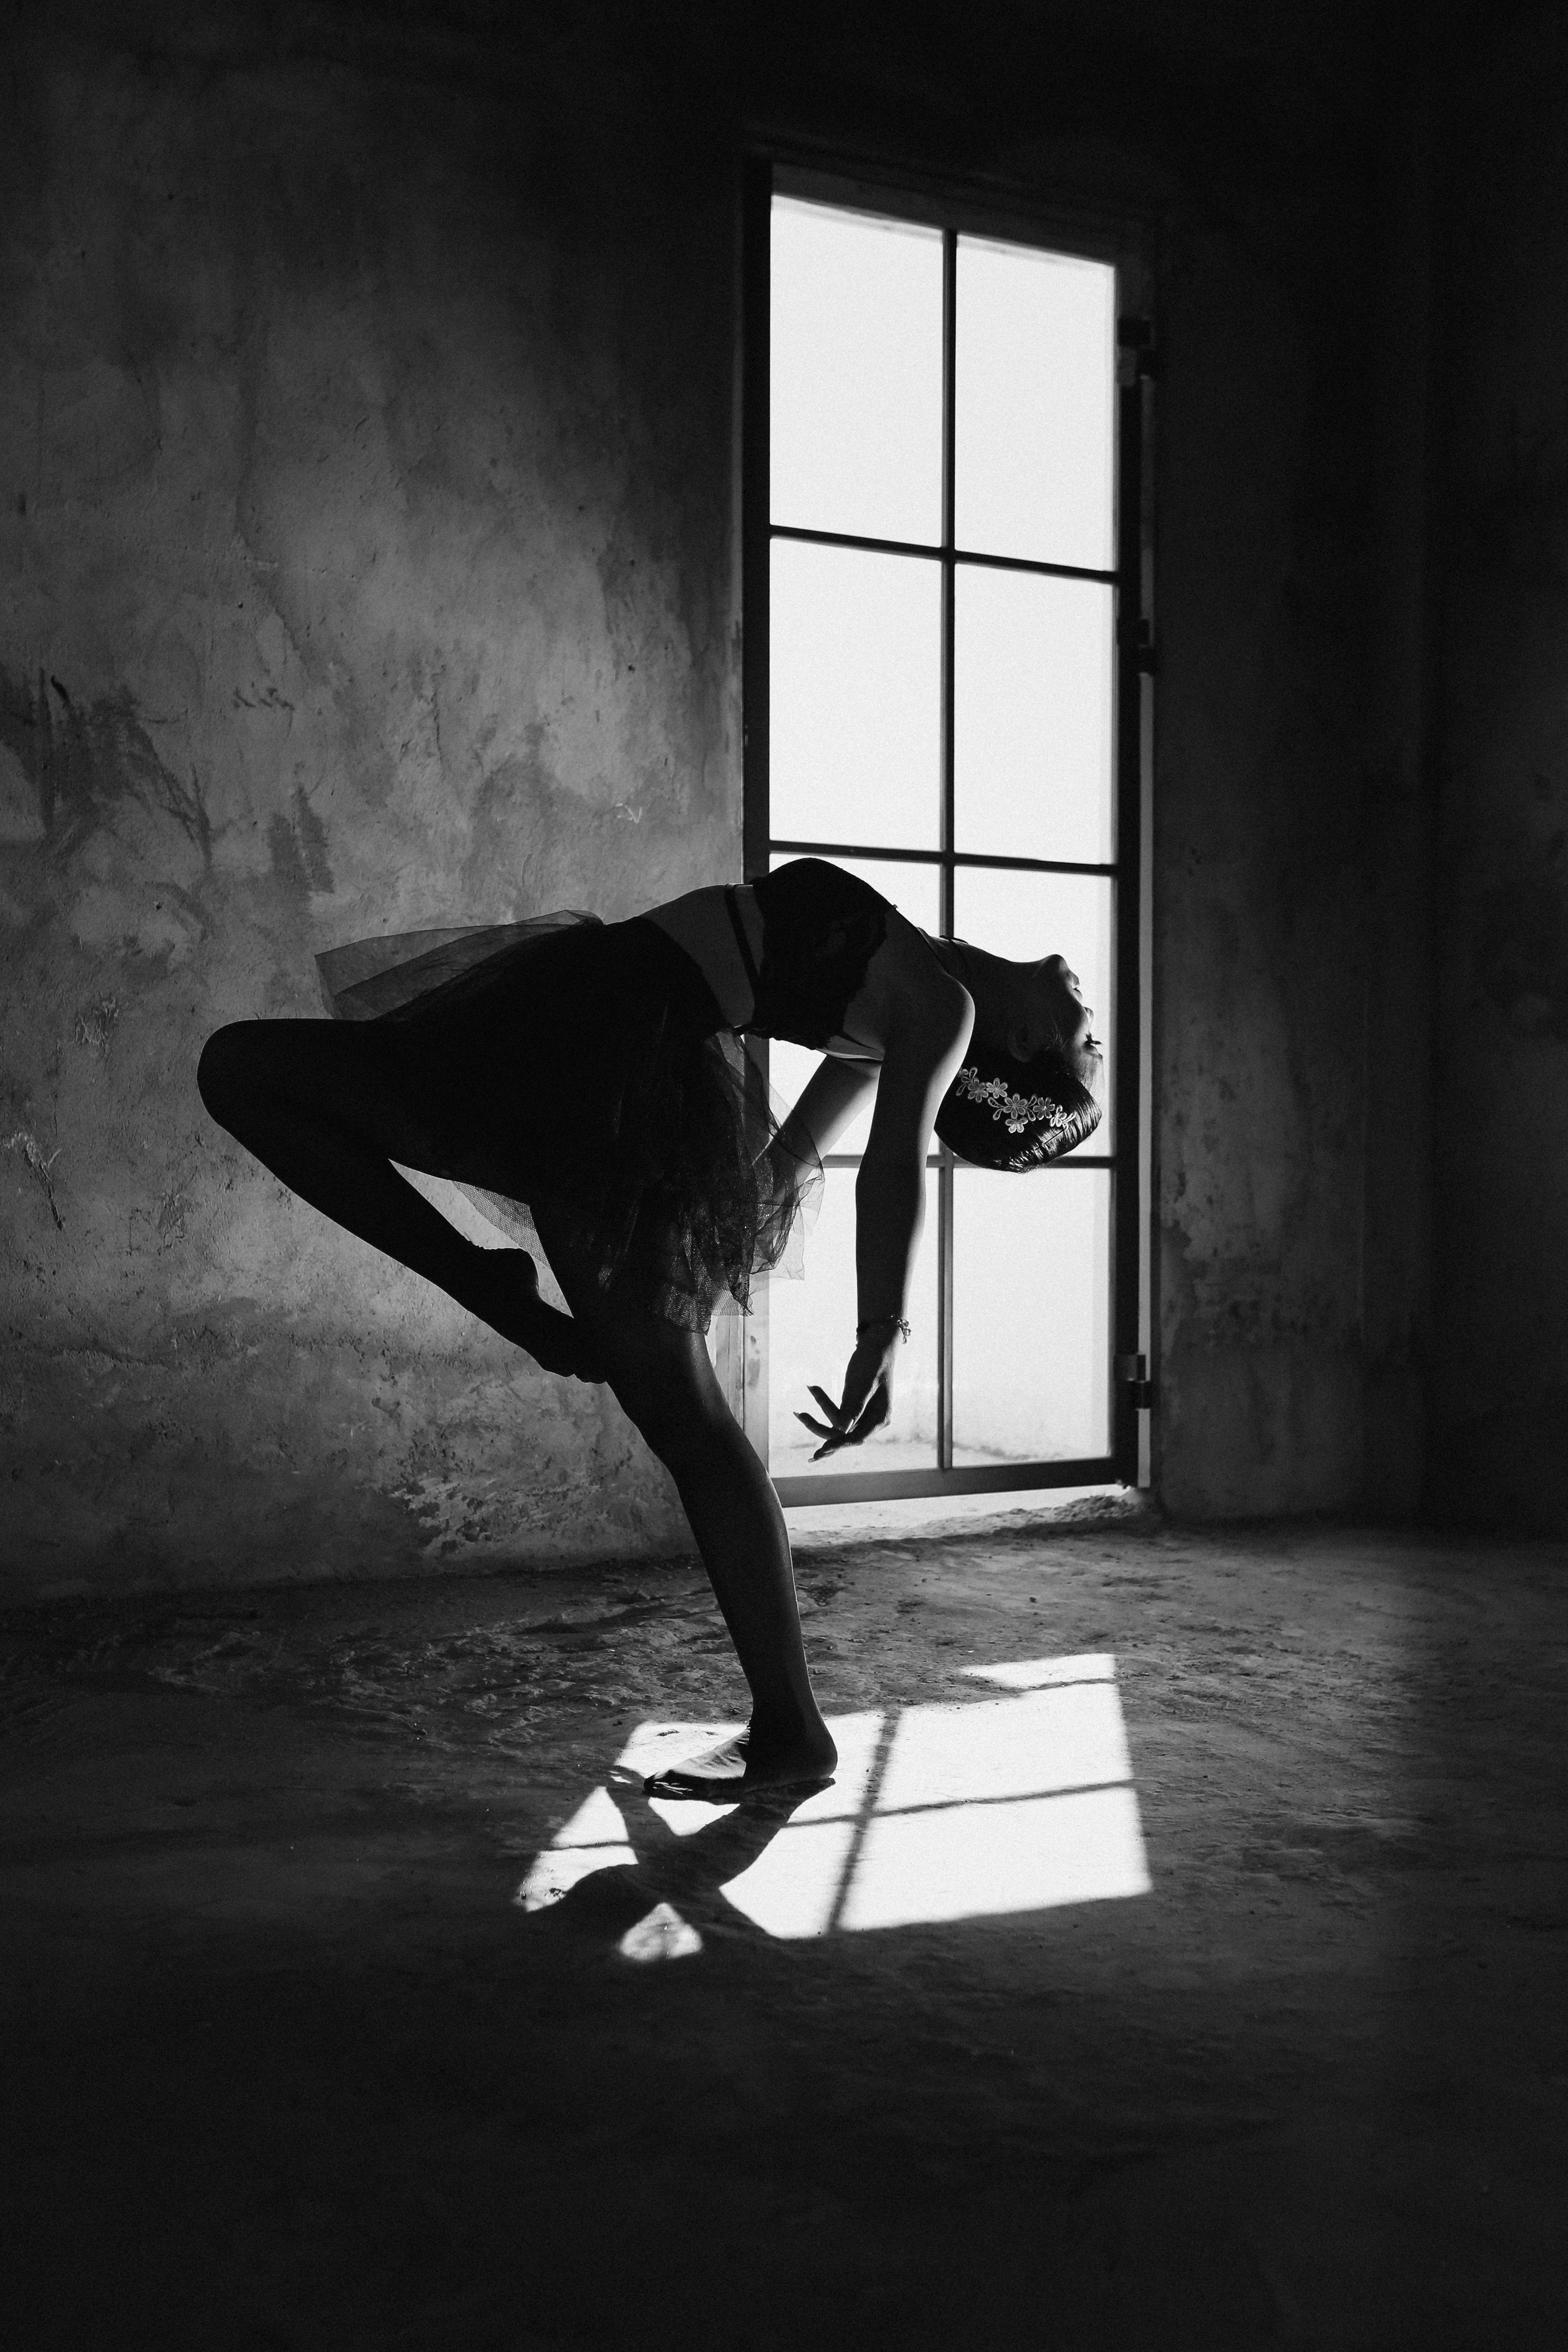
column 504, row 1293
column 749, row 1762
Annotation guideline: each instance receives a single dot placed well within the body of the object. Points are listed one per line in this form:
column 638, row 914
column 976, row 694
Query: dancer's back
column 813, row 954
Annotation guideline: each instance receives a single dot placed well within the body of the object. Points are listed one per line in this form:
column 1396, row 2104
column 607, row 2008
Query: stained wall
column 368, row 557
column 1500, row 1260
column 366, row 564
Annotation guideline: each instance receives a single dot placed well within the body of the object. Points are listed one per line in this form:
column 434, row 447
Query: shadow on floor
column 294, row 2060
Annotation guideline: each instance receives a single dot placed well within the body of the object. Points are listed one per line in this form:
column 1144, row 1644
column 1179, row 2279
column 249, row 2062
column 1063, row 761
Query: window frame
column 1118, row 242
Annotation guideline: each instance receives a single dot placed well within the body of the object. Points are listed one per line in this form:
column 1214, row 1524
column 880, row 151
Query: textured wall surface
column 1260, row 903
column 1500, row 1388
column 1292, row 821
column 367, row 557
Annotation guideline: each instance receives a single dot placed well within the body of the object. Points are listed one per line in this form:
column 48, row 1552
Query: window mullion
column 1131, row 656
column 962, row 555
column 949, row 594
column 949, row 566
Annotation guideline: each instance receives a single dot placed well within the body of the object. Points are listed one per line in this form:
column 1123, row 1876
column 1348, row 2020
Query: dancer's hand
column 868, row 1400
column 586, row 1362
column 559, row 1344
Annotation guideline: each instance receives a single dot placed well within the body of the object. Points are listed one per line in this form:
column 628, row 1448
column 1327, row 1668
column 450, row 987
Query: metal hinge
column 1136, row 360
column 1147, row 658
column 1133, row 1371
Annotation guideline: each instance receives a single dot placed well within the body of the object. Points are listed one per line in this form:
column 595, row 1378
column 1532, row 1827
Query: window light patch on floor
column 594, row 1839
column 967, row 1809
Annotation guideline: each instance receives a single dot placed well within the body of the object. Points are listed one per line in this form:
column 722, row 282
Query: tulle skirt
column 583, row 1070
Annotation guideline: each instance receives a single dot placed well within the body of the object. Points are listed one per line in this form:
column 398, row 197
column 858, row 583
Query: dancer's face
column 1051, row 1008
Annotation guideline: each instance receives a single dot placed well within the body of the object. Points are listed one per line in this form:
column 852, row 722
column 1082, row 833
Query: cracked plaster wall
column 367, row 558
column 364, row 561
column 1291, row 816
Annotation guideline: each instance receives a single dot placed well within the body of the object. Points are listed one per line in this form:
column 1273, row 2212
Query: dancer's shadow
column 687, row 1872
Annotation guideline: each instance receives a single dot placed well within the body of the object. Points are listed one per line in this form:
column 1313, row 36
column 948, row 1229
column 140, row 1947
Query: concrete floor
column 289, row 2065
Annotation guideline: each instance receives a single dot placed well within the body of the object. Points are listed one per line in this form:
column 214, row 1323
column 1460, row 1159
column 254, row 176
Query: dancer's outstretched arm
column 835, row 1094
column 925, row 1046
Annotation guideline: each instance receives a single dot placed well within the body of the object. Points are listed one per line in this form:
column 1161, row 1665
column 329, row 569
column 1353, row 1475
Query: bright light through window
column 963, row 1810
column 947, row 621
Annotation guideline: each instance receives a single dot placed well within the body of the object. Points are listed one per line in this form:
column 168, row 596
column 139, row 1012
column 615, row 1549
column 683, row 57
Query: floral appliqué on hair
column 1019, row 1111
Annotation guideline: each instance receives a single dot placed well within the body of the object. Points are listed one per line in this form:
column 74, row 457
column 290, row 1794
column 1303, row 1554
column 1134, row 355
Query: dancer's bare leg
column 316, row 1102
column 666, row 1383
column 735, row 1518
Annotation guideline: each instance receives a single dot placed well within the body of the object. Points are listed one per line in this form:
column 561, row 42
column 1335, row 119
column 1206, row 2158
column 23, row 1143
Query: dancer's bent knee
column 320, row 1068
column 234, row 1066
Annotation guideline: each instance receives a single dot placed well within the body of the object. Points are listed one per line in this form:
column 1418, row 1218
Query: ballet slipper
column 696, row 1782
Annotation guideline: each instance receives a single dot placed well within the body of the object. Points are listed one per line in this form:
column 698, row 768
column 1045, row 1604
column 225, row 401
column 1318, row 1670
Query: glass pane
column 855, row 750
column 1034, row 675
column 810, row 1331
column 1027, row 916
column 916, row 891
column 1037, row 369
column 856, row 426
column 1031, row 1318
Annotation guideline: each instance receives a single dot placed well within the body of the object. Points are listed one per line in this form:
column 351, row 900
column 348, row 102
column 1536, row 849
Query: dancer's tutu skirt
column 583, row 1070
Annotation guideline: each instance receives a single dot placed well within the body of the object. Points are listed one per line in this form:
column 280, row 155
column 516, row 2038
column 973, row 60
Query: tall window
column 943, row 569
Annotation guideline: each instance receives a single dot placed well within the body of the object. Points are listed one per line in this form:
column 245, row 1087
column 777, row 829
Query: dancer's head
column 1028, row 1088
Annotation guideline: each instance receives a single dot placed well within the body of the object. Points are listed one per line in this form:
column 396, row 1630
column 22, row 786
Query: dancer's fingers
column 872, row 1416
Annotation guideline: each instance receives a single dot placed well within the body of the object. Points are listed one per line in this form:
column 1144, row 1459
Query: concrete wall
column 366, row 563
column 367, row 557
column 1500, row 1385
column 1263, row 906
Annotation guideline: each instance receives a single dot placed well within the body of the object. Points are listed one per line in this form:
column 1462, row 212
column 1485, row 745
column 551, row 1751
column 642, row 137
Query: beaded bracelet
column 876, row 1323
